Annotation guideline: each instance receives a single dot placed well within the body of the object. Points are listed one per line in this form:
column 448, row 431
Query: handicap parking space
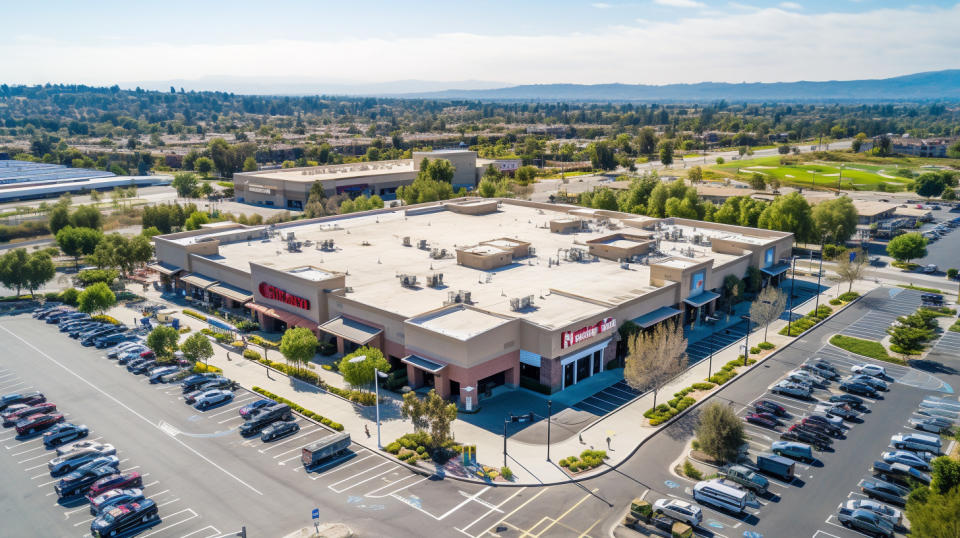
column 608, row 399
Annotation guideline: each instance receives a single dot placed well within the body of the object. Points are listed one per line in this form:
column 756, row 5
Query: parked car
column 933, row 424
column 79, row 481
column 10, row 418
column 803, row 376
column 124, row 518
column 132, row 355
column 884, row 491
column 826, row 419
column 112, row 340
column 799, row 434
column 41, row 313
column 767, row 406
column 849, row 399
column 859, row 388
column 875, row 383
column 193, row 382
column 249, row 408
column 746, row 478
column 278, row 429
column 72, row 460
column 38, row 422
column 114, row 497
column 23, row 398
column 144, row 367
column 815, row 370
column 766, row 420
column 865, row 521
column 790, row 449
column 124, row 348
column 930, row 268
column 262, row 418
column 890, row 514
column 906, row 458
column 63, row 433
column 838, row 410
column 899, row 473
column 822, row 363
column 115, row 481
column 169, row 375
column 787, row 388
column 682, row 511
column 821, row 427
column 156, row 375
column 81, row 445
column 211, row 398
column 940, row 403
column 916, row 442
column 776, row 466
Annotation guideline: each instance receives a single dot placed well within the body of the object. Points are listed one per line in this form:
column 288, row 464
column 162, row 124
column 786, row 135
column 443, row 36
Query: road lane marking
column 514, row 511
column 495, row 508
column 128, row 408
column 363, row 481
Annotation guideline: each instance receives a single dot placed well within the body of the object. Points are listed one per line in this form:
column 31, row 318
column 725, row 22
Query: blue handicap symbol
column 354, row 499
column 315, row 513
column 751, row 534
column 671, row 484
column 715, row 524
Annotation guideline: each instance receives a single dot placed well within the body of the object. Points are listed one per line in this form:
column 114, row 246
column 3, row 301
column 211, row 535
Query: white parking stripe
column 168, row 527
column 281, row 443
column 331, row 486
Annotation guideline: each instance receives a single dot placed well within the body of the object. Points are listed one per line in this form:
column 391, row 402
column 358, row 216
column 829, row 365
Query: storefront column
column 414, row 376
column 441, row 384
column 340, row 345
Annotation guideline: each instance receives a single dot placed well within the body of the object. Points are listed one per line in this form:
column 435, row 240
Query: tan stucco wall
column 484, row 262
column 300, row 287
column 466, row 353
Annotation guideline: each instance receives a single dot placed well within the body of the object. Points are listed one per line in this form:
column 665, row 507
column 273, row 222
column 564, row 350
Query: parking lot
column 883, row 311
column 608, row 399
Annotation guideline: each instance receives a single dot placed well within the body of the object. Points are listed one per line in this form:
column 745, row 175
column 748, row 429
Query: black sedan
column 762, row 419
column 25, row 398
column 884, row 491
column 278, row 430
column 766, row 406
column 849, row 399
column 125, row 519
column 803, row 436
column 62, row 433
column 858, row 388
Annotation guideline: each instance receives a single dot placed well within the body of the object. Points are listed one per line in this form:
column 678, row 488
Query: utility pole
column 793, row 278
column 746, row 342
column 819, row 274
column 549, row 420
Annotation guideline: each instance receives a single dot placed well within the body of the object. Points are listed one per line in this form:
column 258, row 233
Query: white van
column 916, row 441
column 718, row 493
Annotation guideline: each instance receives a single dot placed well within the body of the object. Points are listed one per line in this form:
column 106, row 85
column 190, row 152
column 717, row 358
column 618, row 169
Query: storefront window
column 568, row 375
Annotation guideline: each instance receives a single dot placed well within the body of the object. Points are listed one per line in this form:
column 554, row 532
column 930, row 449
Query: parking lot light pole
column 505, row 422
column 377, row 374
column 793, row 278
column 549, row 419
column 746, row 342
column 819, row 274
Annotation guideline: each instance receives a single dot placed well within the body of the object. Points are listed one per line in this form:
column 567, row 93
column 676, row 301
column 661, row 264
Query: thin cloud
column 790, row 5
column 680, row 3
column 601, row 5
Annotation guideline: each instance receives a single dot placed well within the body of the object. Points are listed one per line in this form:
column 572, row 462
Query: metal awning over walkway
column 165, row 268
column 775, row 270
column 201, row 281
column 289, row 318
column 426, row 365
column 701, row 299
column 350, row 330
column 231, row 292
column 658, row 315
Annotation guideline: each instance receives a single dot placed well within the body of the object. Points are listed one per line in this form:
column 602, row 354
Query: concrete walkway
column 623, row 429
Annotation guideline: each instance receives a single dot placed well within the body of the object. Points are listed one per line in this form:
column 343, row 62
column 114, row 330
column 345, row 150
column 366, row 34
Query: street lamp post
column 819, row 275
column 549, row 419
column 793, row 279
column 376, row 384
column 505, row 422
column 746, row 342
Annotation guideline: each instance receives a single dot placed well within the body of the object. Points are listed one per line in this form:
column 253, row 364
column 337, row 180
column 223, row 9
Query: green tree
column 298, row 346
column 86, row 216
column 486, row 188
column 197, row 348
column 758, row 182
column 720, row 432
column 163, row 342
column 249, row 165
column 666, row 153
column 783, row 149
column 790, row 213
column 695, row 174
column 151, row 231
column 601, row 155
column 184, row 183
column 647, row 141
column 767, row 307
column 934, row 515
column 196, row 219
column 203, row 166
column 78, row 242
column 906, row 247
column 655, row 357
column 40, row 270
column 525, row 174
column 433, row 413
column 14, row 270
column 205, row 190
column 851, row 271
column 657, row 203
column 59, row 218
column 929, row 185
column 96, row 298
column 440, row 170
column 69, row 296
column 835, row 219
column 424, row 189
column 954, row 150
column 604, row 198
column 361, row 373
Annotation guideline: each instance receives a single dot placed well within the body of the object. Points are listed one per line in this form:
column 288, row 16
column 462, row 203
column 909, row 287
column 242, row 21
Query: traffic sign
column 316, row 513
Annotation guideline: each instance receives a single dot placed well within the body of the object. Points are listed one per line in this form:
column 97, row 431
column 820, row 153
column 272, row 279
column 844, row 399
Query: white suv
column 869, row 369
column 679, row 510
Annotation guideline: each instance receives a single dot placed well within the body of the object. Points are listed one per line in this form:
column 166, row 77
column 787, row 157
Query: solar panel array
column 25, row 172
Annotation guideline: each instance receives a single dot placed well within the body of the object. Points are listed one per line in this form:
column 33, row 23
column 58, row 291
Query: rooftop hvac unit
column 532, row 251
column 406, row 241
column 422, row 244
column 435, row 280
column 465, row 295
column 408, row 280
column 526, row 302
column 515, row 304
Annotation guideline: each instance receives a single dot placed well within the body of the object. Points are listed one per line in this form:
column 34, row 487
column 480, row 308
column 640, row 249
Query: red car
column 762, row 419
column 766, row 406
column 114, row 481
column 10, row 419
column 35, row 423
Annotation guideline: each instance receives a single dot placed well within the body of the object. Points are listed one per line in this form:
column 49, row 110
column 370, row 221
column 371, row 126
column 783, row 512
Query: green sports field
column 851, row 176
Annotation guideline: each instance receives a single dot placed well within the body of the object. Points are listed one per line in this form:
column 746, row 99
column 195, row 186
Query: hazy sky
column 646, row 41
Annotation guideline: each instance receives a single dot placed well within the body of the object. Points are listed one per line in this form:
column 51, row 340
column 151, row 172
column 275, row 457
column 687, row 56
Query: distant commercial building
column 469, row 295
column 24, row 180
column 504, row 166
column 920, row 147
column 290, row 187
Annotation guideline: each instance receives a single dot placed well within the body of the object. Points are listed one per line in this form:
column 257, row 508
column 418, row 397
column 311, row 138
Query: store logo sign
column 572, row 338
column 276, row 294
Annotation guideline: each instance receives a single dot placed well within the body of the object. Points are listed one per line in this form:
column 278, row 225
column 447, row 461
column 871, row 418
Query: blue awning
column 701, row 299
column 658, row 315
column 777, row 269
column 220, row 324
column 424, row 364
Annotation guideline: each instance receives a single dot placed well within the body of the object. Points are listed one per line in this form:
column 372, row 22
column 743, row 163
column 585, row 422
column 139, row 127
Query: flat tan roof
column 868, row 208
column 459, row 322
column 335, row 171
column 369, row 250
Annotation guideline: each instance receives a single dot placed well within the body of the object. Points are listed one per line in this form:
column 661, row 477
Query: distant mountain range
column 246, row 85
column 920, row 86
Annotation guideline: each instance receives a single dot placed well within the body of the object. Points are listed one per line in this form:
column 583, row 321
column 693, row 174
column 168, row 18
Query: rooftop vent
column 408, row 281
column 406, row 241
column 435, row 280
column 422, row 244
column 458, row 297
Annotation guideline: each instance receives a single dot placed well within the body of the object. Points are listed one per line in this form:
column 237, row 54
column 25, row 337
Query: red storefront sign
column 277, row 294
column 572, row 338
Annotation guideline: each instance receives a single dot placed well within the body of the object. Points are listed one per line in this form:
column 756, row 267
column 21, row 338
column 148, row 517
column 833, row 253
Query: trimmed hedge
column 300, row 409
column 194, row 314
column 587, row 460
column 766, row 345
column 848, row 296
column 106, row 319
column 836, row 302
column 263, row 342
column 251, row 354
column 200, row 368
column 355, row 396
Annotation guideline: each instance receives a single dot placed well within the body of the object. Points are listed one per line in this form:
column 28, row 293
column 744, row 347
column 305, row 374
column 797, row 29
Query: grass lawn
column 921, row 288
column 567, row 174
column 867, row 348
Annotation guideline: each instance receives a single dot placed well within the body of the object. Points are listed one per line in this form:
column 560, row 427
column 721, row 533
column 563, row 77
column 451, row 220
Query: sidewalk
column 625, row 428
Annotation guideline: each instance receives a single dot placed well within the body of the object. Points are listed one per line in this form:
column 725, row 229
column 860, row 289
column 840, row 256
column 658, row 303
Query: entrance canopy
column 201, row 281
column 289, row 318
column 701, row 299
column 165, row 268
column 658, row 315
column 350, row 330
column 426, row 365
column 775, row 270
column 231, row 292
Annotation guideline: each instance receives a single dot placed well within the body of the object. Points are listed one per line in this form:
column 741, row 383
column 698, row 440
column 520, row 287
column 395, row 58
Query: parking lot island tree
column 97, row 298
column 906, row 247
column 835, row 219
column 432, row 414
column 163, row 342
column 850, row 271
column 20, row 270
column 197, row 347
column 932, row 510
column 361, row 373
column 655, row 357
column 78, row 242
column 298, row 346
column 767, row 307
column 720, row 432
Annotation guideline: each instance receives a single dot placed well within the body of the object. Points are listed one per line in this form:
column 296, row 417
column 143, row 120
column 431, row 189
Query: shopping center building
column 470, row 294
